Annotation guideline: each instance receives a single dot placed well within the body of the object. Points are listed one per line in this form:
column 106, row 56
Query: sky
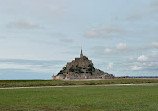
column 38, row 37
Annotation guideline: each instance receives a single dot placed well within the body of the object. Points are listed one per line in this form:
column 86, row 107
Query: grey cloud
column 107, row 31
column 140, row 13
column 135, row 16
column 36, row 8
column 24, row 24
column 154, row 4
column 66, row 40
column 62, row 37
column 150, row 46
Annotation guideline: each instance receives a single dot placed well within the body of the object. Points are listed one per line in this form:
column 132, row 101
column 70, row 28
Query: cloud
column 136, row 15
column 154, row 54
column 151, row 46
column 36, row 8
column 107, row 31
column 142, row 58
column 136, row 68
column 35, row 66
column 32, row 68
column 24, row 24
column 144, row 62
column 107, row 50
column 110, row 65
column 139, row 13
column 155, row 44
column 93, row 33
column 66, row 40
column 121, row 46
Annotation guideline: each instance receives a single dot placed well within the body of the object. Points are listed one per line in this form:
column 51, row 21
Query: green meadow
column 85, row 98
column 29, row 83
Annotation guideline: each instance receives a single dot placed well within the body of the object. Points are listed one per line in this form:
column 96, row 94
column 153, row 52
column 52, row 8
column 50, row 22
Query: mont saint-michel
column 81, row 68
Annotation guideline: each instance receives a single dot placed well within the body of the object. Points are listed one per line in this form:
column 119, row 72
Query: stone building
column 81, row 68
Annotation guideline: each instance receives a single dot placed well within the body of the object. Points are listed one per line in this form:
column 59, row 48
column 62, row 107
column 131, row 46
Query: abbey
column 81, row 68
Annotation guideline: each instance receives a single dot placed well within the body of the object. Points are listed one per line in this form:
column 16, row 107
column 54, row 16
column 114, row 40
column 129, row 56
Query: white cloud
column 142, row 58
column 121, row 46
column 144, row 63
column 107, row 50
column 154, row 53
column 155, row 44
column 110, row 65
column 93, row 33
column 135, row 68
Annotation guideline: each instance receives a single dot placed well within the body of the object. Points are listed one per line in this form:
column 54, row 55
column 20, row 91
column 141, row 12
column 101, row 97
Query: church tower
column 81, row 55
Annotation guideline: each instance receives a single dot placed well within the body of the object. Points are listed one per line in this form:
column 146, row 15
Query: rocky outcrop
column 81, row 68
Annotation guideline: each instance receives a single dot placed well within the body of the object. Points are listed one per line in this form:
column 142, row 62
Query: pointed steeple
column 81, row 55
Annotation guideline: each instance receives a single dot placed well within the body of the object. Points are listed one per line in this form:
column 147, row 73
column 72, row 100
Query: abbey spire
column 81, row 55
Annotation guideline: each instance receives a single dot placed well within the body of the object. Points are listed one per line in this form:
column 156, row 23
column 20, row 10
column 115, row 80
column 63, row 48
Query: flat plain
column 34, row 83
column 85, row 98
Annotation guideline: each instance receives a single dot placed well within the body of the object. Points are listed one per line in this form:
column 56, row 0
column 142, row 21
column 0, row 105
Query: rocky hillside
column 81, row 68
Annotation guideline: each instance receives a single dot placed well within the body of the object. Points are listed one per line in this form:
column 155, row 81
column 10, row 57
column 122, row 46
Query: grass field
column 28, row 83
column 86, row 98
